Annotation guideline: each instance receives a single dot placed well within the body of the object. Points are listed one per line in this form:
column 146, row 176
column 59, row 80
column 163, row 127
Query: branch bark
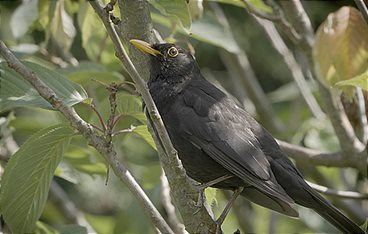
column 316, row 157
column 99, row 143
column 136, row 24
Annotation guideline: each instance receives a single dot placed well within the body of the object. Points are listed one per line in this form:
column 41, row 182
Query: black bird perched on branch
column 221, row 145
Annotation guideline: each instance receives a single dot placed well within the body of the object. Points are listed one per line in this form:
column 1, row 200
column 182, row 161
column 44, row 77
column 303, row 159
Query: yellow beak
column 145, row 47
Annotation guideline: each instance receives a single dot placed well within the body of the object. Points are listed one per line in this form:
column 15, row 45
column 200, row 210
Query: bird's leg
column 202, row 187
column 224, row 213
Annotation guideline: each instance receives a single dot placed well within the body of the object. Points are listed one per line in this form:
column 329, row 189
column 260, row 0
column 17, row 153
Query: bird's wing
column 217, row 125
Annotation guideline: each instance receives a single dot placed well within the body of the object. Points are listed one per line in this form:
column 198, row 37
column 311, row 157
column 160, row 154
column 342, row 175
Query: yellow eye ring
column 172, row 52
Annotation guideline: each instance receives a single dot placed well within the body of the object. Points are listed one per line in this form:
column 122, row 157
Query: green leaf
column 62, row 27
column 360, row 81
column 27, row 177
column 207, row 29
column 175, row 9
column 23, row 17
column 16, row 92
column 341, row 48
column 131, row 105
column 143, row 132
column 43, row 228
column 259, row 4
column 79, row 157
column 72, row 229
column 211, row 196
column 97, row 44
column 86, row 71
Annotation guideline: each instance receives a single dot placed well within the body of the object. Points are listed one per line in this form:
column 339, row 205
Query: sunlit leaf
column 43, row 228
column 143, row 132
column 175, row 9
column 95, row 41
column 211, row 196
column 131, row 105
column 62, row 27
column 341, row 48
column 196, row 9
column 360, row 81
column 23, row 17
column 258, row 4
column 27, row 177
column 16, row 92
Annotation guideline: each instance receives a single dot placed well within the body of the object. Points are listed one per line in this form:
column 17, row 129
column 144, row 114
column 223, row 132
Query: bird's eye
column 172, row 52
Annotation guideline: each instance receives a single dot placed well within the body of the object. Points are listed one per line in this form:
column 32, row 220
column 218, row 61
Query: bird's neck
column 164, row 90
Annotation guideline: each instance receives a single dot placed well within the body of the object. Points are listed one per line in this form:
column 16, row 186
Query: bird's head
column 168, row 61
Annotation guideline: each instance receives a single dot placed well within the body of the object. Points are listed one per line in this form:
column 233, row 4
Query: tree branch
column 338, row 193
column 169, row 207
column 196, row 219
column 317, row 157
column 292, row 64
column 98, row 142
column 136, row 24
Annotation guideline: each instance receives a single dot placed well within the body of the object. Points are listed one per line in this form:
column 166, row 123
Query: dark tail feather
column 333, row 215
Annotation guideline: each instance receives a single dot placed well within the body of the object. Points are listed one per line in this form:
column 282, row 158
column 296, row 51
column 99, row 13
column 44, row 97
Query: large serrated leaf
column 341, row 48
column 27, row 177
column 175, row 9
column 16, row 92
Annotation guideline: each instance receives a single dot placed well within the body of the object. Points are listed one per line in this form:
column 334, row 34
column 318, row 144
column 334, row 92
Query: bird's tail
column 333, row 215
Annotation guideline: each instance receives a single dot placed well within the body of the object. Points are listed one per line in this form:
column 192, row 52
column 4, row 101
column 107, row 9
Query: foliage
column 66, row 45
column 341, row 50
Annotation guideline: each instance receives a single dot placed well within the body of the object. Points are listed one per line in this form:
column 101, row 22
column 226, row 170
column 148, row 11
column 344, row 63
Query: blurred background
column 66, row 36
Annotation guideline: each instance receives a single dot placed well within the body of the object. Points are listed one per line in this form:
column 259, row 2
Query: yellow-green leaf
column 142, row 131
column 341, row 47
column 177, row 10
column 360, row 81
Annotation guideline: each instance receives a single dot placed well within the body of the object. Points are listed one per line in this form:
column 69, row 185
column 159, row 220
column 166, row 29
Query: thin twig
column 113, row 89
column 127, row 130
column 99, row 117
column 363, row 118
column 338, row 193
column 88, row 132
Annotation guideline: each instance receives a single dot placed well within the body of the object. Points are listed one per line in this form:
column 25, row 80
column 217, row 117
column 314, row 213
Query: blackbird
column 220, row 144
